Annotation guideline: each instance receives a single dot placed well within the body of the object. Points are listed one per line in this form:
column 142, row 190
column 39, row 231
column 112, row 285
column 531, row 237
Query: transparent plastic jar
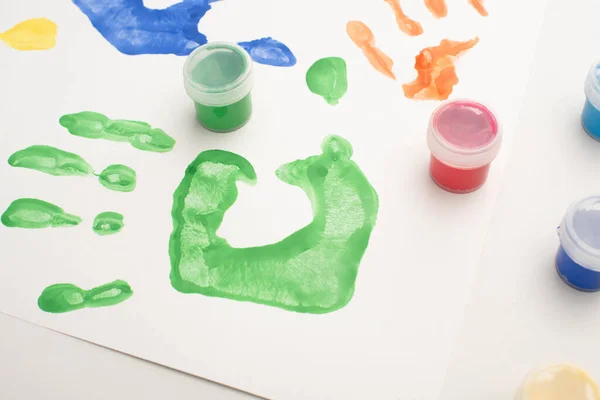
column 590, row 117
column 464, row 137
column 558, row 382
column 578, row 256
column 218, row 77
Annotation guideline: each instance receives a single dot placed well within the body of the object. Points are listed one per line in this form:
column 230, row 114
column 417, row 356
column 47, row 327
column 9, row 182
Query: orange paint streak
column 437, row 7
column 406, row 24
column 436, row 74
column 363, row 37
column 478, row 4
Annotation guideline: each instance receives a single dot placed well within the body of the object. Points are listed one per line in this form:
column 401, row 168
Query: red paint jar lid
column 464, row 133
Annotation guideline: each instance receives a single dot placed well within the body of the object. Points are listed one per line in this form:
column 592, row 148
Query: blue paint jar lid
column 592, row 85
column 218, row 74
column 579, row 232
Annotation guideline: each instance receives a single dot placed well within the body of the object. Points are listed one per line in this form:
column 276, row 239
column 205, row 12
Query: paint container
column 578, row 257
column 464, row 137
column 590, row 118
column 558, row 382
column 218, row 77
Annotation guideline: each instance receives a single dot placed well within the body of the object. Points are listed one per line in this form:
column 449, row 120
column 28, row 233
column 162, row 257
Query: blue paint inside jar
column 590, row 119
column 575, row 275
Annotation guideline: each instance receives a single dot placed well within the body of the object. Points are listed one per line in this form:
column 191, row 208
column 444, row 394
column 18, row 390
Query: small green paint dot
column 118, row 177
column 327, row 78
column 108, row 223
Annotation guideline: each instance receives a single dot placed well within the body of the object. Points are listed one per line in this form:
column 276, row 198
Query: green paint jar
column 218, row 77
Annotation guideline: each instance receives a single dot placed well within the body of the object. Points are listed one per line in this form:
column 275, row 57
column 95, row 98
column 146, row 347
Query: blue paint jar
column 578, row 257
column 590, row 118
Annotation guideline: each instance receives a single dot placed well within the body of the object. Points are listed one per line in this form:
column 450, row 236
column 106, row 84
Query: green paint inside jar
column 218, row 78
column 227, row 118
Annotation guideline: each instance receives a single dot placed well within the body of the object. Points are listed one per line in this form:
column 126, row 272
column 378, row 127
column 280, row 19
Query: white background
column 393, row 339
column 521, row 314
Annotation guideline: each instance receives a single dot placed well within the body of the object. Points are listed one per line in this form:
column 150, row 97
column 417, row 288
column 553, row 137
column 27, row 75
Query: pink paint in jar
column 464, row 137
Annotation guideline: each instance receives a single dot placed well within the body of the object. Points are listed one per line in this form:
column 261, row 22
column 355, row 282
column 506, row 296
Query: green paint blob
column 50, row 160
column 65, row 297
column 34, row 213
column 327, row 78
column 227, row 118
column 140, row 135
column 118, row 177
column 313, row 270
column 108, row 223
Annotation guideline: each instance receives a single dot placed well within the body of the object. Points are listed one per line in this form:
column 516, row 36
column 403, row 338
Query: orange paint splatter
column 436, row 75
column 437, row 7
column 478, row 5
column 406, row 24
column 362, row 36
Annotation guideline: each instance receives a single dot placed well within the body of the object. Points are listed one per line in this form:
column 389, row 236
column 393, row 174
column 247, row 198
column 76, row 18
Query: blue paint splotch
column 133, row 29
column 270, row 51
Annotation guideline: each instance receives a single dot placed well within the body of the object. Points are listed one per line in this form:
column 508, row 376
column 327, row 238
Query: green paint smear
column 34, row 214
column 65, row 297
column 140, row 135
column 108, row 223
column 50, row 160
column 312, row 271
column 118, row 177
column 327, row 78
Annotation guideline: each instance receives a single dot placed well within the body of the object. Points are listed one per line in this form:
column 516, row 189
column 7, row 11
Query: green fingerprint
column 65, row 297
column 108, row 223
column 118, row 177
column 327, row 78
column 313, row 270
column 34, row 213
column 50, row 160
column 140, row 135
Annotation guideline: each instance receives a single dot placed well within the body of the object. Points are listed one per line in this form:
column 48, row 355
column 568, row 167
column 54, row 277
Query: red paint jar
column 464, row 138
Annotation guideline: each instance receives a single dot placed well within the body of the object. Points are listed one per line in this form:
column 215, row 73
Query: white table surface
column 36, row 363
column 521, row 315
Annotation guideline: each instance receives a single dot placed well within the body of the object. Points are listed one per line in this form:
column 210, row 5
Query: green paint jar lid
column 218, row 74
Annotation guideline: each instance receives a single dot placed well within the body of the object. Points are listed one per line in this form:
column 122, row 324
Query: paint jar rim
column 463, row 157
column 592, row 85
column 521, row 395
column 576, row 248
column 224, row 95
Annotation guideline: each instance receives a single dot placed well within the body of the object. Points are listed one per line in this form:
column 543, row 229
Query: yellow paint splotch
column 33, row 34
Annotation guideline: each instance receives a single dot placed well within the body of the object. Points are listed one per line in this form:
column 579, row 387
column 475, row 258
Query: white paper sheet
column 393, row 339
column 521, row 315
